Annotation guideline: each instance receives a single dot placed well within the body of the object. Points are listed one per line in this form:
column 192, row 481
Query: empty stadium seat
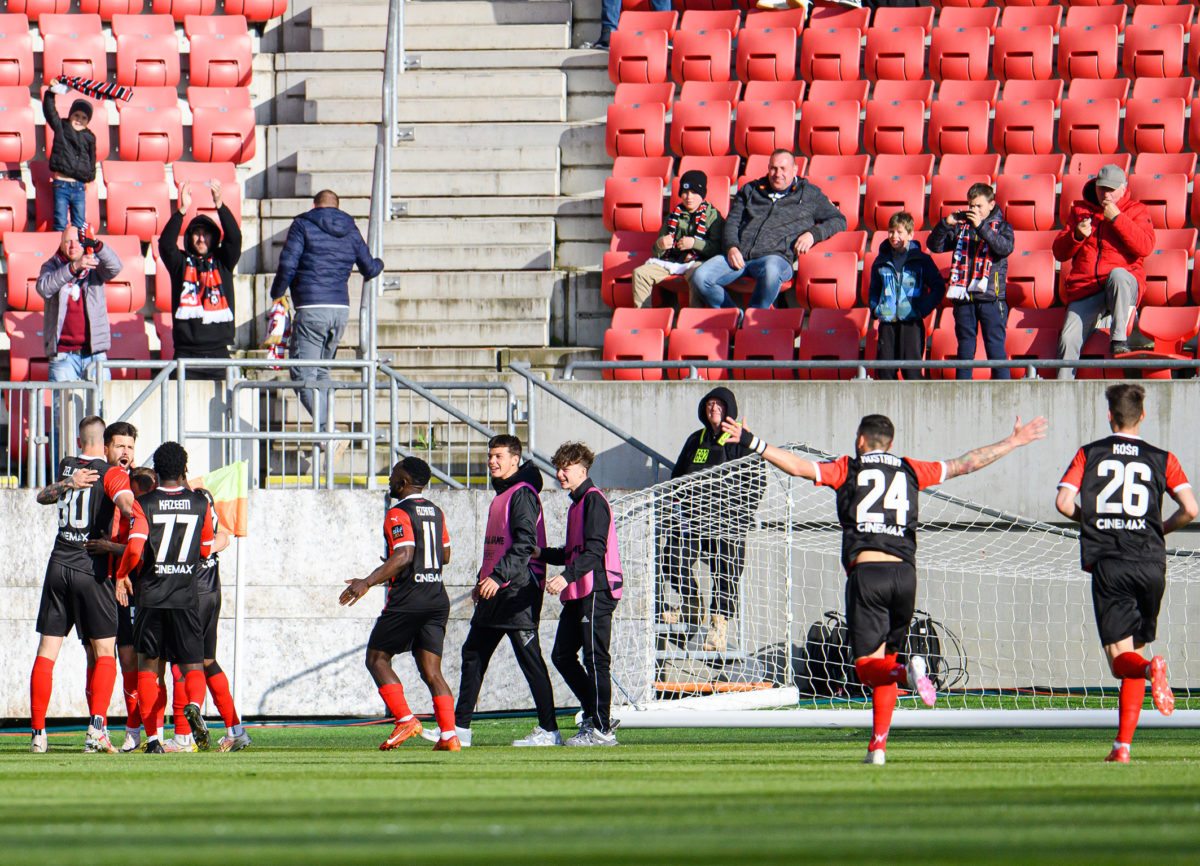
column 826, row 280
column 643, row 166
column 702, row 55
column 1193, row 53
column 1030, row 281
column 896, row 52
column 1072, row 191
column 704, row 91
column 1034, row 240
column 692, row 345
column 35, row 9
column 151, row 127
column 712, row 166
column 764, row 344
column 968, row 14
column 839, row 16
column 1023, row 127
column 18, row 142
column 959, row 53
column 637, row 56
column 832, row 335
column 25, row 252
column 843, row 192
column 707, row 319
column 824, row 91
column 887, row 194
column 1089, row 125
column 701, row 128
column 256, row 10
column 694, row 19
column 220, row 50
column 632, row 318
column 948, row 193
column 830, row 53
column 1018, row 89
column 894, row 127
column 1154, row 125
column 1035, row 163
column 943, row 346
column 764, row 127
column 1154, row 50
column 1099, row 88
column 830, row 128
column 633, row 204
column 74, row 45
column 147, row 50
column 1032, row 335
column 1087, row 51
column 27, row 356
column 166, row 336
column 180, row 9
column 774, row 319
column 1090, row 13
column 887, row 90
column 200, row 175
column 969, row 91
column 1171, row 328
column 1049, row 14
column 1091, row 163
column 1161, row 88
column 761, row 19
column 1166, row 279
column 904, row 163
column 642, row 344
column 16, row 51
column 632, row 93
column 1023, row 52
column 1164, row 14
column 98, row 123
column 1029, row 200
column 139, row 199
column 39, row 173
column 774, row 91
column 106, row 9
column 901, row 16
column 648, row 19
column 766, row 55
column 14, row 207
column 1164, row 195
column 839, row 165
column 222, row 124
column 616, row 276
column 126, row 292
column 1176, row 239
column 958, row 127
column 636, row 130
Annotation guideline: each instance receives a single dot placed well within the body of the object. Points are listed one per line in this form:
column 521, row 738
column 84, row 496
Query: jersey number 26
column 1135, row 497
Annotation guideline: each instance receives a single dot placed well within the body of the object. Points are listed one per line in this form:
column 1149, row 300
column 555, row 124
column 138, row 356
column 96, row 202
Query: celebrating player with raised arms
column 416, row 546
column 1119, row 481
column 877, row 495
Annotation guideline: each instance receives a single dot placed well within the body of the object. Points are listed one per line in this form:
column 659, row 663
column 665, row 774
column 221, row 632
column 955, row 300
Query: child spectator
column 691, row 234
column 72, row 157
column 906, row 286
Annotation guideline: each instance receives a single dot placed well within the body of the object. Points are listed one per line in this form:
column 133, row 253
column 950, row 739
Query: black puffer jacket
column 192, row 336
column 73, row 153
column 760, row 226
column 518, row 605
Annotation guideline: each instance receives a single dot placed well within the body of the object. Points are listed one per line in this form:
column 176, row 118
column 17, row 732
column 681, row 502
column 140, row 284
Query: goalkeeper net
column 733, row 577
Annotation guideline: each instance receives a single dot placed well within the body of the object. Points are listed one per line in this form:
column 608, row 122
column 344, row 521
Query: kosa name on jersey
column 1128, row 449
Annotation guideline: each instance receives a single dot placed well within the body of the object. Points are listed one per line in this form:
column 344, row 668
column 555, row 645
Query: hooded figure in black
column 202, row 281
column 709, row 520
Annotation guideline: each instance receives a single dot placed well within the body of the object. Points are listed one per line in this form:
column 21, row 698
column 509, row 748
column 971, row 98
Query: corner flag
column 230, row 489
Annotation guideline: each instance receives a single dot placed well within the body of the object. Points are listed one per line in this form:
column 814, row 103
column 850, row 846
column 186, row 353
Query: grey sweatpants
column 1119, row 298
column 316, row 332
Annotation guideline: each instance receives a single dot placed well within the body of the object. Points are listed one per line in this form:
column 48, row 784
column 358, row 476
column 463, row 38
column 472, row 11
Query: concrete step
column 332, row 36
column 462, row 309
column 432, row 159
column 521, row 109
column 495, row 334
column 473, row 12
column 436, row 232
column 442, row 84
column 582, row 254
column 473, row 256
column 495, row 57
column 506, row 206
column 585, row 179
column 419, row 184
column 493, row 284
column 435, row 364
column 584, row 140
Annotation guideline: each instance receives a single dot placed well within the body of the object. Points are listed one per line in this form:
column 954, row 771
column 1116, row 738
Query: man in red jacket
column 1107, row 236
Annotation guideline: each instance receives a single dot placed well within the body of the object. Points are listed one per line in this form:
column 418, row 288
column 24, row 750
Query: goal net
column 735, row 580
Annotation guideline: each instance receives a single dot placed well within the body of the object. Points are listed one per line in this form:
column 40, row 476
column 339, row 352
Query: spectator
column 1108, row 234
column 322, row 246
column 981, row 240
column 771, row 222
column 75, row 332
column 906, row 286
column 610, row 13
column 72, row 158
column 691, row 234
column 202, row 280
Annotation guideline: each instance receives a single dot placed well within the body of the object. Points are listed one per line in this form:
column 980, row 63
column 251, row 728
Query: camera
column 90, row 245
column 961, row 215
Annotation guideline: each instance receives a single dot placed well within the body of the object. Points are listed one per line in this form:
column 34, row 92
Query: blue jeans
column 769, row 273
column 70, row 202
column 991, row 317
column 74, row 366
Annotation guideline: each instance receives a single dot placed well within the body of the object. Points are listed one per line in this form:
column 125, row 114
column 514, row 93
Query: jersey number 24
column 895, row 499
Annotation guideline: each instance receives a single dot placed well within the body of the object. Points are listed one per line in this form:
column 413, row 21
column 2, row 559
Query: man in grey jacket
column 772, row 222
column 75, row 330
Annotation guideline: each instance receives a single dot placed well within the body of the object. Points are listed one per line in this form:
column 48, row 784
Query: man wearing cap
column 691, row 234
column 771, row 223
column 1106, row 238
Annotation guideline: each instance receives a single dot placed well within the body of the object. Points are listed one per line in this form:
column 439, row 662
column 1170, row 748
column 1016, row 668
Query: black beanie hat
column 83, row 107
column 693, row 181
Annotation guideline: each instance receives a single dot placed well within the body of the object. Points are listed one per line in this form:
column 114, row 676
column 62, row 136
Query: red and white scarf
column 201, row 297
column 967, row 276
column 98, row 89
column 699, row 230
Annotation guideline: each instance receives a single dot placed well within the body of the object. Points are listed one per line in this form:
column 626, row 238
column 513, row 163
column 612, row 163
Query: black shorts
column 79, row 600
column 404, row 631
column 124, row 626
column 880, row 597
column 1126, row 597
column 210, row 612
column 168, row 633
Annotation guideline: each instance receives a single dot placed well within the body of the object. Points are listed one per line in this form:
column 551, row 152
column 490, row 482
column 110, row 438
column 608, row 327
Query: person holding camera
column 981, row 240
column 75, row 333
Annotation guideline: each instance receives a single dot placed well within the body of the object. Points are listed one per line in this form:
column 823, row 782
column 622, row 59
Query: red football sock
column 160, row 705
column 41, row 681
column 218, row 686
column 133, row 713
column 179, row 699
column 393, row 697
column 87, row 686
column 1131, row 665
column 879, row 671
column 196, row 687
column 148, row 695
column 1133, row 695
column 104, row 679
column 443, row 711
column 883, row 701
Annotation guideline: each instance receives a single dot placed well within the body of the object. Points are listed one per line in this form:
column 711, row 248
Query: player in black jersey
column 1120, row 481
column 416, row 547
column 877, row 496
column 78, row 592
column 166, row 547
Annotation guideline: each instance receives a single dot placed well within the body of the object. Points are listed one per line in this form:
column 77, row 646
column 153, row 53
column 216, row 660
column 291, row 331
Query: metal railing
column 37, row 439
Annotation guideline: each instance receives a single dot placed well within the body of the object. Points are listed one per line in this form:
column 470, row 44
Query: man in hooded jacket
column 709, row 520
column 202, row 280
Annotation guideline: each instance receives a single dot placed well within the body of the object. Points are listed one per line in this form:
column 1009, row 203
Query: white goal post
column 1003, row 613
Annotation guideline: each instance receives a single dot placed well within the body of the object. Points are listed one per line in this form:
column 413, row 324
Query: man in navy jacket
column 322, row 246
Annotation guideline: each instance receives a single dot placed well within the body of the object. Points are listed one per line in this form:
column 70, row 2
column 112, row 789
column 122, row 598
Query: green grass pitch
column 327, row 795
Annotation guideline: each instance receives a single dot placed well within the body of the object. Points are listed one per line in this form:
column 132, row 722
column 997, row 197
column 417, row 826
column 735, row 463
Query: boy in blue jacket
column 906, row 286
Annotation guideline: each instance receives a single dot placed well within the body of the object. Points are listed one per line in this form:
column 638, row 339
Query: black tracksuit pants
column 477, row 651
column 586, row 625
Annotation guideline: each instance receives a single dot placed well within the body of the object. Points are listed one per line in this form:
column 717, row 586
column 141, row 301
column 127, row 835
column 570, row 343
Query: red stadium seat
column 222, row 124
column 701, row 128
column 1163, row 88
column 898, row 163
column 969, row 91
column 18, row 142
column 632, row 318
column 948, row 193
column 1018, row 90
column 1166, row 279
column 774, row 91
column 199, row 174
column 643, row 344
column 643, row 166
column 1033, row 335
column 14, row 206
column 894, row 127
column 705, row 91
column 1089, row 125
column 773, row 319
column 1031, row 278
column 43, row 189
column 25, row 252
column 958, row 127
column 843, row 192
column 636, row 130
column 826, row 280
column 943, row 346
column 701, row 55
column 1154, row 125
column 633, row 204
column 1153, row 14
column 887, row 194
column 98, row 123
column 37, row 8
column 966, row 15
column 832, row 335
column 895, row 53
column 166, row 336
column 766, row 55
column 712, row 166
column 707, row 319
column 763, row 19
column 1164, row 195
column 689, row 345
column 1095, row 13
column 1171, row 328
column 16, row 51
column 756, row 167
column 28, row 348
column 139, row 199
column 1176, row 239
column 74, row 45
column 151, row 127
column 830, row 53
column 630, row 93
column 1030, row 16
column 256, row 10
column 1023, row 127
column 1023, row 52
column 824, row 91
column 1099, row 88
column 1087, row 52
column 616, row 276
column 1165, row 163
column 710, row 19
column 1029, row 200
column 824, row 166
column 959, row 53
column 1034, row 240
column 648, row 19
column 220, row 53
column 839, row 16
column 718, row 193
column 845, row 242
column 1193, row 54
column 637, row 56
column 887, row 90
column 1153, row 50
column 1030, row 163
column 632, row 242
column 180, row 9
column 901, row 16
column 1091, row 163
column 764, row 127
column 764, row 344
column 147, row 50
column 829, row 128
column 126, row 292
column 1072, row 191
column 107, row 9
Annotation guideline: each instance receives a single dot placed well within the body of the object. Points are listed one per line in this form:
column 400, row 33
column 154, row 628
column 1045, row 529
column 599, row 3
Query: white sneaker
column 37, row 743
column 132, row 741
column 231, row 743
column 97, row 743
column 540, row 737
column 918, row 680
column 435, row 734
column 180, row 743
column 584, row 737
column 605, row 738
column 875, row 756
